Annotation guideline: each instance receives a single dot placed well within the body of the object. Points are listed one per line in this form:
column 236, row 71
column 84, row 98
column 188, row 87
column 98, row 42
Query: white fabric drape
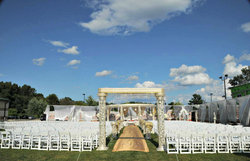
column 231, row 110
column 244, row 103
column 223, row 111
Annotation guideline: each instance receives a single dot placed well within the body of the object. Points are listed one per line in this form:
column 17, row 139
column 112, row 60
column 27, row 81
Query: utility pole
column 211, row 94
column 223, row 78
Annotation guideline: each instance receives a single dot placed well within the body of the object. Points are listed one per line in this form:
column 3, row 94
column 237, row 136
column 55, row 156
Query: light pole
column 211, row 94
column 223, row 78
column 83, row 96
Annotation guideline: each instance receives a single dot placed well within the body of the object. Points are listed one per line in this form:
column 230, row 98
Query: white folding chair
column 64, row 141
column 222, row 143
column 172, row 143
column 246, row 143
column 235, row 143
column 95, row 141
column 210, row 143
column 26, row 141
column 54, row 141
column 35, row 142
column 16, row 141
column 185, row 144
column 75, row 142
column 197, row 143
column 44, row 141
column 86, row 143
column 6, row 140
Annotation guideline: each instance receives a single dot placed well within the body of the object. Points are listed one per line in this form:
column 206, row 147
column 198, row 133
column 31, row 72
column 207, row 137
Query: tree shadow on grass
column 243, row 154
column 155, row 143
column 154, row 140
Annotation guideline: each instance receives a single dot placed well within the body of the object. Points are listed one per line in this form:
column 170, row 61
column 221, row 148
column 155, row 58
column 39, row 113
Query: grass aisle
column 153, row 155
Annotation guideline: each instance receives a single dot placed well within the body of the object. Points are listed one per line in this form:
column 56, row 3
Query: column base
column 102, row 148
column 160, row 148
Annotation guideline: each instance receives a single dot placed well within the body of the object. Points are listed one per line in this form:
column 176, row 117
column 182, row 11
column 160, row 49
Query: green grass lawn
column 153, row 155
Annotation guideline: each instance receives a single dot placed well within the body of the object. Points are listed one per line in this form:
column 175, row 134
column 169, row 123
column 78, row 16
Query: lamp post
column 83, row 96
column 223, row 78
column 211, row 94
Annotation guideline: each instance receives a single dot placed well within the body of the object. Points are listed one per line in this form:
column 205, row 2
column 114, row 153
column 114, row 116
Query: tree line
column 25, row 101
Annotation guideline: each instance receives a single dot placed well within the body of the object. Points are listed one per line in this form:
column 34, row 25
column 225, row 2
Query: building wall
column 3, row 105
column 242, row 90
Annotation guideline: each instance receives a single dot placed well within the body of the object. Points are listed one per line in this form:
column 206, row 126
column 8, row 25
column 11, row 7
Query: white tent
column 71, row 112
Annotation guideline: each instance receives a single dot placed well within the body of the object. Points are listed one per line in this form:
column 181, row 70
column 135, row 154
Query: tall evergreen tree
column 197, row 99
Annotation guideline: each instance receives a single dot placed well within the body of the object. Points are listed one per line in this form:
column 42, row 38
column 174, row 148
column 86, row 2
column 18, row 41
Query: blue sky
column 74, row 47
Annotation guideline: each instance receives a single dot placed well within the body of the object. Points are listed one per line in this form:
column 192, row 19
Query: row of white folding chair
column 210, row 143
column 44, row 141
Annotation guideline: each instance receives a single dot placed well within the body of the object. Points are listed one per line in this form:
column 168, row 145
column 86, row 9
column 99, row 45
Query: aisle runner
column 131, row 140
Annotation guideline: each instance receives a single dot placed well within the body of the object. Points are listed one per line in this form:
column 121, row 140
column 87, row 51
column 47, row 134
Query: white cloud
column 59, row 43
column 228, row 58
column 1, row 75
column 73, row 50
column 103, row 73
column 231, row 67
column 193, row 79
column 217, row 90
column 244, row 57
column 186, row 70
column 127, row 16
column 133, row 78
column 190, row 75
column 148, row 84
column 246, row 27
column 39, row 61
column 73, row 62
column 166, row 86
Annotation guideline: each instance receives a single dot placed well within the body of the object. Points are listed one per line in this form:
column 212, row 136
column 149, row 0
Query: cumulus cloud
column 148, row 84
column 190, row 75
column 73, row 62
column 73, row 50
column 217, row 90
column 193, row 79
column 244, row 57
column 186, row 70
column 133, row 78
column 58, row 43
column 166, row 86
column 39, row 61
column 127, row 16
column 231, row 66
column 246, row 27
column 103, row 73
column 228, row 58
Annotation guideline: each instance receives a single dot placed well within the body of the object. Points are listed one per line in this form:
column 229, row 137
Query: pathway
column 131, row 140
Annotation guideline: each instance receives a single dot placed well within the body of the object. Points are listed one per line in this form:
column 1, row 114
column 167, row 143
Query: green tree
column 39, row 96
column 52, row 99
column 243, row 78
column 91, row 102
column 80, row 103
column 12, row 112
column 19, row 96
column 36, row 107
column 197, row 99
column 66, row 101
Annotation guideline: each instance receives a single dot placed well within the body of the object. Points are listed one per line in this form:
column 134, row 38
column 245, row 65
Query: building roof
column 4, row 99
